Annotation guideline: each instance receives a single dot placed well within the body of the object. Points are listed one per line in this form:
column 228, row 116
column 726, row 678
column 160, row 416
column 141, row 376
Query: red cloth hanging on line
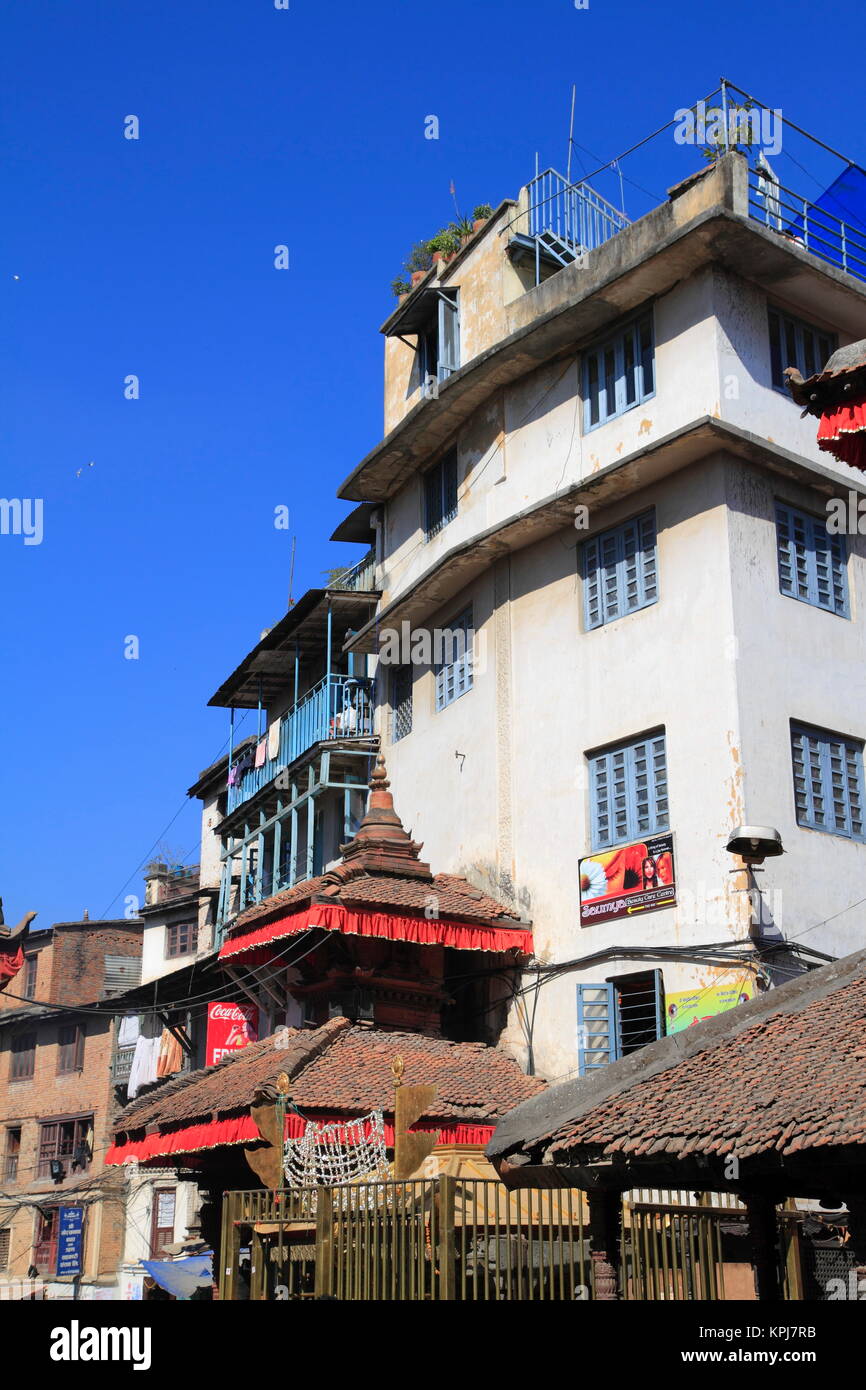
column 10, row 963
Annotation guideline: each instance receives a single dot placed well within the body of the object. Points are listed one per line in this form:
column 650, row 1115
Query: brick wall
column 71, row 970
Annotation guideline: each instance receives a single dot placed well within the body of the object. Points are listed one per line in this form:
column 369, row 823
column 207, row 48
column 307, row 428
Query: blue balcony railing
column 339, row 707
column 569, row 219
column 808, row 224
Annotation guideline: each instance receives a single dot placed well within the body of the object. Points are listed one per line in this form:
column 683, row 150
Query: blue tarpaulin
column 181, row 1277
column 844, row 201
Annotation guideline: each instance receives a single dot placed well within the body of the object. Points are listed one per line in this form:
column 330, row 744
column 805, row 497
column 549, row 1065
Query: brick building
column 57, row 1100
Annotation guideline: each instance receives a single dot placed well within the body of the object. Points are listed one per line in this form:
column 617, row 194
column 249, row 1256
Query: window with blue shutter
column 813, row 563
column 440, row 494
column 401, row 702
column 828, row 782
column 620, row 571
column 794, row 343
column 617, row 1017
column 597, row 1040
column 454, row 670
column 619, row 374
column 628, row 792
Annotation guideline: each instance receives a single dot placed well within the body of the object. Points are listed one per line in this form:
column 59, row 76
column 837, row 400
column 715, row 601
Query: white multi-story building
column 592, row 468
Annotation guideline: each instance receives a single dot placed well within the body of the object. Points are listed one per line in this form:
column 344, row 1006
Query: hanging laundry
column 170, row 1057
column 146, row 1056
column 234, row 776
column 128, row 1030
column 274, row 740
column 261, row 752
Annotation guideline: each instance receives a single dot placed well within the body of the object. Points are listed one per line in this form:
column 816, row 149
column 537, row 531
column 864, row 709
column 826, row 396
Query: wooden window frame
column 15, row 1072
column 70, row 1053
column 177, row 927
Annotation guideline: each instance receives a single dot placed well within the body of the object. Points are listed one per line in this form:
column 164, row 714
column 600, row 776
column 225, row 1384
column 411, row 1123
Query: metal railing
column 339, row 707
column 806, row 224
column 424, row 1240
column 359, row 577
column 570, row 215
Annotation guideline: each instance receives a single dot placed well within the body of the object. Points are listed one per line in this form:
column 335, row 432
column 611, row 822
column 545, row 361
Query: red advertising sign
column 229, row 1026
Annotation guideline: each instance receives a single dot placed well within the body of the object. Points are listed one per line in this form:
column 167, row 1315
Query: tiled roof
column 344, row 1069
column 780, row 1074
column 455, row 898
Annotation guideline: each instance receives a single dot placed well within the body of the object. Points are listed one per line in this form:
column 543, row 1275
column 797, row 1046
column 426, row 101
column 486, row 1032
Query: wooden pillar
column 765, row 1246
column 605, row 1221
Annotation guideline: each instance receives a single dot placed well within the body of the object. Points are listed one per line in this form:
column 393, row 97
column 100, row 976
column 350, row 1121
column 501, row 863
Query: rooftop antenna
column 292, row 572
column 571, row 134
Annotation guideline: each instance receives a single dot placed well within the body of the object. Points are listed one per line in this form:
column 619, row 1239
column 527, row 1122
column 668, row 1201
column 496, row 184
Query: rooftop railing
column 359, row 577
column 807, row 224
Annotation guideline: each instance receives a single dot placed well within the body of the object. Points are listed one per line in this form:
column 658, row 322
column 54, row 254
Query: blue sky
column 258, row 387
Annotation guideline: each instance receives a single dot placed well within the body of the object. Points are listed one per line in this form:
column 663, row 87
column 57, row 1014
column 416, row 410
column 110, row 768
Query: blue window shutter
column 647, row 559
column 659, row 989
column 812, row 561
column 449, row 336
column 800, row 344
column 619, row 373
column 620, row 571
column 628, row 792
column 454, row 673
column 828, row 782
column 597, row 1029
column 592, row 614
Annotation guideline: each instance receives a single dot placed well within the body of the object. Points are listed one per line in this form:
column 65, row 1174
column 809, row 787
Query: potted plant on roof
column 418, row 262
column 444, row 245
column 401, row 288
column 481, row 214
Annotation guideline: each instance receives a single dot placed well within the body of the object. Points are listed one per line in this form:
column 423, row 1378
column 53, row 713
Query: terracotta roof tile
column 345, row 1069
column 788, row 1080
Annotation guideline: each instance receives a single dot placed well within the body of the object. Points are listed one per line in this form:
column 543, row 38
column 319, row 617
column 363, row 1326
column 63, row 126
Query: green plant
column 419, row 258
column 446, row 242
column 400, row 286
column 482, row 212
column 738, row 131
column 462, row 227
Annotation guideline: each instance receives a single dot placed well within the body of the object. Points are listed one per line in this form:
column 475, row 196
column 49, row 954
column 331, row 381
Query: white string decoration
column 333, row 1155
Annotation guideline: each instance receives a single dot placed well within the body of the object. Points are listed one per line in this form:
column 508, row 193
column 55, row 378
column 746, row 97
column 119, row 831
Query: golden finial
column 283, row 1083
column 398, row 1066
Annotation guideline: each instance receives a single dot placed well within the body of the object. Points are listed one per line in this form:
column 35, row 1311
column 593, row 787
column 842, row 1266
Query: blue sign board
column 70, row 1240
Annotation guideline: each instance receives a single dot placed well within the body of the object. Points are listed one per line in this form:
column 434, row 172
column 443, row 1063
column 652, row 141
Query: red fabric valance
column 842, row 433
column 214, row 1134
column 334, row 917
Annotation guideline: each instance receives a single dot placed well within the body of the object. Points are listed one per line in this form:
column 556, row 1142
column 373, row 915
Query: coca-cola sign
column 229, row 1027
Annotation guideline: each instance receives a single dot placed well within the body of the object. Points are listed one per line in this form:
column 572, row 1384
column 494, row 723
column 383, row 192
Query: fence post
column 447, row 1243
column 324, row 1242
column 230, row 1251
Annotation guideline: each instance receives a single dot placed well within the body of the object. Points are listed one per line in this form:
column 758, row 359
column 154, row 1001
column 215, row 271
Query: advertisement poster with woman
column 631, row 879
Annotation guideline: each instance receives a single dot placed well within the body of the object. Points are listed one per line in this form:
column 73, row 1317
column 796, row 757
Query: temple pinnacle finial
column 379, row 776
